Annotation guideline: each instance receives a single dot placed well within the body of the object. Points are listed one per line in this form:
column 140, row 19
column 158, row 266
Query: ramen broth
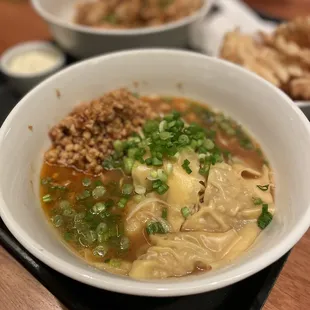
column 89, row 211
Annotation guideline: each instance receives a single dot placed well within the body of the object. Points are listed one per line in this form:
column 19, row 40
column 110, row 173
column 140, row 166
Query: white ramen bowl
column 82, row 41
column 268, row 114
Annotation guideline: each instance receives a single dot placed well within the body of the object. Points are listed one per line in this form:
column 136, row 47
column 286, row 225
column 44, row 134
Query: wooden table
column 19, row 290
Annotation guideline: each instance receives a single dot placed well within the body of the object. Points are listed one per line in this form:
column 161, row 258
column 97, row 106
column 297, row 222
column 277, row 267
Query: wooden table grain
column 19, row 290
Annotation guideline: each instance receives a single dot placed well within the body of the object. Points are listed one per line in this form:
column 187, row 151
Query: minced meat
column 85, row 137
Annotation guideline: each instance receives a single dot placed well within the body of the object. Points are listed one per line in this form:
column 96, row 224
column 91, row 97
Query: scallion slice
column 99, row 207
column 186, row 167
column 263, row 188
column 47, row 198
column 86, row 182
column 122, row 203
column 127, row 189
column 154, row 227
column 98, row 192
column 102, row 228
column 57, row 220
column 185, row 212
column 265, row 217
column 85, row 194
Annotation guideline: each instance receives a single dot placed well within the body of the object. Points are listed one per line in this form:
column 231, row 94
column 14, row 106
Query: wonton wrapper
column 122, row 269
column 229, row 198
column 183, row 191
column 184, row 188
column 179, row 254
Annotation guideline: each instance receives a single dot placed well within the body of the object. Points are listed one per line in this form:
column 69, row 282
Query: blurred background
column 19, row 22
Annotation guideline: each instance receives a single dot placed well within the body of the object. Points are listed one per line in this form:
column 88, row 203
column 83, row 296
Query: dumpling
column 140, row 173
column 184, row 188
column 229, row 198
column 138, row 215
column 179, row 254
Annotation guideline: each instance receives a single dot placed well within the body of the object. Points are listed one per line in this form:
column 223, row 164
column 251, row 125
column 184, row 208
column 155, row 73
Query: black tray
column 249, row 294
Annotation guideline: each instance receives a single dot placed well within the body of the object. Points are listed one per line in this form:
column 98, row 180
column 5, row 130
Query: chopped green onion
column 265, row 218
column 124, row 243
column 102, row 228
column 156, row 162
column 139, row 189
column 68, row 212
column 85, row 194
column 263, row 188
column 109, row 203
column 148, row 161
column 79, row 217
column 98, row 192
column 86, row 182
column 122, row 203
column 162, row 175
column 202, row 156
column 118, row 146
column 100, row 251
column 154, row 227
column 204, row 170
column 162, row 189
column 194, row 144
column 109, row 163
column 98, row 183
column 57, row 187
column 156, row 184
column 176, row 155
column 186, row 167
column 183, row 139
column 99, row 207
column 257, row 201
column 57, row 220
column 115, row 262
column 162, row 126
column 172, row 124
column 165, row 135
column 128, row 164
column 47, row 198
column 46, row 181
column 164, row 213
column 154, row 174
column 64, row 204
column 127, row 189
column 150, row 126
column 132, row 152
column 209, row 144
column 185, row 212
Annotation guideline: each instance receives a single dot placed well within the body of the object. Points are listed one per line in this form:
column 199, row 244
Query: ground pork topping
column 85, row 137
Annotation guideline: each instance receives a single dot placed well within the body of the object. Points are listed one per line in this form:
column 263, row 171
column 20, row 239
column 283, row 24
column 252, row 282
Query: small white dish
column 22, row 80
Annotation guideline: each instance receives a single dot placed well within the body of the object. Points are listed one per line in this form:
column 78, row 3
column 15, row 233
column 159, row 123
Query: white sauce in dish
column 34, row 61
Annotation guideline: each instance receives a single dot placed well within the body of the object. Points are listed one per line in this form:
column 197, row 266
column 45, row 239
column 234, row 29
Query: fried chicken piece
column 282, row 58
